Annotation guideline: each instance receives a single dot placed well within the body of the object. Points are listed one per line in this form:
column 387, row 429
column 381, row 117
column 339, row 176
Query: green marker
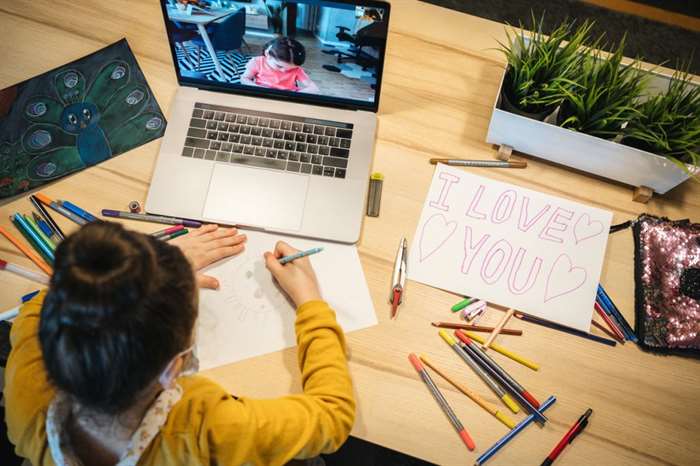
column 184, row 231
column 462, row 304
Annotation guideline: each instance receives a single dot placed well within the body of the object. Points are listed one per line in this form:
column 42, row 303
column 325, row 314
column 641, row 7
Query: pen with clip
column 568, row 437
column 398, row 278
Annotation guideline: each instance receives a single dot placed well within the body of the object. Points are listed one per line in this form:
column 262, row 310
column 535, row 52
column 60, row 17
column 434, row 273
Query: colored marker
column 462, row 304
column 45, row 228
column 174, row 235
column 150, row 218
column 463, row 434
column 29, row 296
column 513, row 433
column 26, row 251
column 22, row 272
column 505, row 352
column 299, row 255
column 60, row 209
column 9, row 314
column 167, row 231
column 488, row 407
column 624, row 325
column 507, row 400
column 609, row 322
column 487, row 359
column 32, row 236
column 47, row 217
column 87, row 216
column 569, row 437
column 41, row 234
column 473, row 310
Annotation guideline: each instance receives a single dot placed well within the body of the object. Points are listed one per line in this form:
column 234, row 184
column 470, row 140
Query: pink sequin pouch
column 667, row 278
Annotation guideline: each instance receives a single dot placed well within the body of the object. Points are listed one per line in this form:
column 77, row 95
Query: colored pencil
column 32, row 237
column 174, row 235
column 22, row 272
column 513, row 433
column 505, row 352
column 47, row 217
column 84, row 214
column 27, row 252
column 60, row 209
column 493, row 364
column 497, row 329
column 167, row 231
column 522, row 401
column 608, row 321
column 442, row 402
column 624, row 325
column 40, row 232
column 475, row 328
column 488, row 407
column 571, row 331
column 497, row 389
column 605, row 330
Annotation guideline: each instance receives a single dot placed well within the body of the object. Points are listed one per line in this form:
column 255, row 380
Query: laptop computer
column 273, row 124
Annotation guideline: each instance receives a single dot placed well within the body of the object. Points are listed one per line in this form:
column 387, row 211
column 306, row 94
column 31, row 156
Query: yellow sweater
column 207, row 426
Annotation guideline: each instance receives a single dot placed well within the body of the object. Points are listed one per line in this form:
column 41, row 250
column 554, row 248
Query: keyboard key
column 253, row 120
column 222, row 156
column 187, row 151
column 210, row 155
column 272, row 153
column 330, row 131
column 323, row 140
column 345, row 143
column 256, row 141
column 274, row 124
column 196, row 133
column 264, row 122
column 260, row 151
column 222, row 126
column 278, row 134
column 223, row 136
column 294, row 156
column 201, row 143
column 286, row 125
column 297, row 127
column 267, row 142
column 318, row 130
column 245, row 139
column 324, row 150
column 293, row 166
column 306, row 168
column 282, row 154
column 333, row 162
column 308, row 128
column 249, row 150
column 312, row 149
column 211, row 135
column 300, row 137
column 301, row 147
column 234, row 128
column 198, row 123
column 317, row 170
column 241, row 119
column 339, row 173
column 316, row 159
column 199, row 153
column 278, row 144
column 208, row 114
column 211, row 124
column 289, row 145
column 328, row 171
column 197, row 112
column 238, row 149
column 230, row 117
column 336, row 152
column 306, row 158
column 219, row 116
column 255, row 131
column 259, row 162
column 288, row 136
column 226, row 146
column 343, row 133
column 234, row 137
column 334, row 142
column 215, row 145
column 245, row 129
column 312, row 139
column 267, row 133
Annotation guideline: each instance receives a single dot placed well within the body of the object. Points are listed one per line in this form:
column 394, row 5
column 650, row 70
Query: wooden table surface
column 439, row 86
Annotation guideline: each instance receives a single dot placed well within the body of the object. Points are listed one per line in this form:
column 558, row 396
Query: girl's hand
column 297, row 278
column 205, row 245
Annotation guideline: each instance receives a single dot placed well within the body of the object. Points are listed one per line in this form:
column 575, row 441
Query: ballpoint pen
column 569, row 437
column 398, row 278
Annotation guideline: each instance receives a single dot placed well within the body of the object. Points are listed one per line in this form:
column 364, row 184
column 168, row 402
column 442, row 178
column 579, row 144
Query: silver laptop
column 274, row 121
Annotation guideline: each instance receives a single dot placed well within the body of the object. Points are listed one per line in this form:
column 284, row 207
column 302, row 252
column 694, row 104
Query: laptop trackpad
column 256, row 197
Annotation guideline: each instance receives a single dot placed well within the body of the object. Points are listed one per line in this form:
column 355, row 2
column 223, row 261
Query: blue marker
column 299, row 255
column 29, row 296
column 24, row 227
column 45, row 228
column 78, row 211
column 515, row 431
column 612, row 310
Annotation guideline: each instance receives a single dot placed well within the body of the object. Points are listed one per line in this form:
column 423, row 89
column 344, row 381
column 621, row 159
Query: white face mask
column 189, row 366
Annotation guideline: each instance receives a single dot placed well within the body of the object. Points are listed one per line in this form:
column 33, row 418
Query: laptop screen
column 314, row 51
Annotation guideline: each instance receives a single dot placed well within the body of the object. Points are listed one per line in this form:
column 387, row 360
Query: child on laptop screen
column 279, row 67
column 99, row 372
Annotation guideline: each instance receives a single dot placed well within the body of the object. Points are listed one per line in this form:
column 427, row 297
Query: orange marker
column 27, row 252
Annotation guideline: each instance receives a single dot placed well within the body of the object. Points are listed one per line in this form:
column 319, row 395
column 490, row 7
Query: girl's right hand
column 297, row 278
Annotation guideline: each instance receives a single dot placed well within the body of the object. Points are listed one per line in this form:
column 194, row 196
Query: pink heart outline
column 571, row 268
column 452, row 225
column 589, row 223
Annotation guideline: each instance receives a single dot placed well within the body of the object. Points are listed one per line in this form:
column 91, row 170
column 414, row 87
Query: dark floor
column 356, row 452
column 652, row 41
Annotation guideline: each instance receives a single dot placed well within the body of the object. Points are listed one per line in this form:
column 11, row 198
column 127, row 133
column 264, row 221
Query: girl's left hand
column 205, row 245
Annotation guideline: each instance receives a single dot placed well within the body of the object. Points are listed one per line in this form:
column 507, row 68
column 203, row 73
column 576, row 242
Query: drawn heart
column 564, row 278
column 436, row 231
column 588, row 229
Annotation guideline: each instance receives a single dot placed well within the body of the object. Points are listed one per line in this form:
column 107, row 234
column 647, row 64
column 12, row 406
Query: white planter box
column 585, row 152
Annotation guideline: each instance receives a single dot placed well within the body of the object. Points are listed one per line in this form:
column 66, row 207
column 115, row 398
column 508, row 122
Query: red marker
column 569, row 437
column 398, row 278
column 463, row 434
column 618, row 333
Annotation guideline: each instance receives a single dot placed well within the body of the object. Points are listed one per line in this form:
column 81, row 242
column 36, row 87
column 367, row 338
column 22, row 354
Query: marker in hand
column 299, row 255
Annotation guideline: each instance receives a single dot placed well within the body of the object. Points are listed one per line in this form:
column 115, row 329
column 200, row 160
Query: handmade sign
column 73, row 117
column 511, row 246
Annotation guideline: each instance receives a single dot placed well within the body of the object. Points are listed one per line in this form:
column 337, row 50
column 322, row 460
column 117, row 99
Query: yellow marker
column 505, row 352
column 493, row 385
column 489, row 407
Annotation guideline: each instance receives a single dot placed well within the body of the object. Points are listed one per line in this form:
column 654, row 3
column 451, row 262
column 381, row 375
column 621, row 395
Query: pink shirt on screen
column 269, row 77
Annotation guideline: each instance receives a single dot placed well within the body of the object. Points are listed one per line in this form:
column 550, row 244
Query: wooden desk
column 440, row 82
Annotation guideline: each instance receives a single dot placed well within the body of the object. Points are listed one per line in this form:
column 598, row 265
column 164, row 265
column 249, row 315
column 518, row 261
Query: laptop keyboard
column 268, row 140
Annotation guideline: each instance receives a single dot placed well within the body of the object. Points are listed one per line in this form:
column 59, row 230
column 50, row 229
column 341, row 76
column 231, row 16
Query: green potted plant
column 605, row 94
column 540, row 66
column 668, row 123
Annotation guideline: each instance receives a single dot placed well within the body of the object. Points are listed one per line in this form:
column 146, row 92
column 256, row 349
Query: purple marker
column 150, row 218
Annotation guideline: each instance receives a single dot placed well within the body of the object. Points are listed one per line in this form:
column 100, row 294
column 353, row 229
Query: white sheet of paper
column 249, row 315
column 539, row 254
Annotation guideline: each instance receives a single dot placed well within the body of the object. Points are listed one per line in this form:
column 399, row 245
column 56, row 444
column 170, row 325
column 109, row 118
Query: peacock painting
column 76, row 116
